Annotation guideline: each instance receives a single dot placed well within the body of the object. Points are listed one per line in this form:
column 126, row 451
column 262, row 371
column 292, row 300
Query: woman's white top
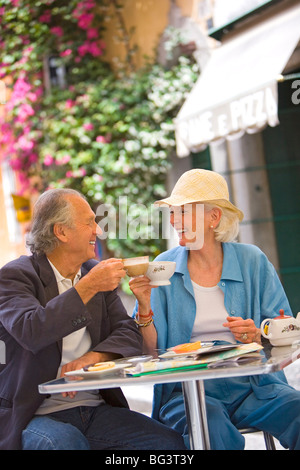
column 210, row 315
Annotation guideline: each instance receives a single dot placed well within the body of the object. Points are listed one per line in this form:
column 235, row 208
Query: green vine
column 108, row 136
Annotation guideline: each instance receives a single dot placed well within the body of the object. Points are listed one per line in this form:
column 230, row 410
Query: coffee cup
column 136, row 266
column 159, row 272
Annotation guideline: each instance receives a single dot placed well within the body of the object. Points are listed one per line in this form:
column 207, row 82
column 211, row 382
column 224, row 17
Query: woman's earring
column 211, row 226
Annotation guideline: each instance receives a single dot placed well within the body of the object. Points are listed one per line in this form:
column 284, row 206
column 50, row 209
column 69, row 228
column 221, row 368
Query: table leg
column 195, row 407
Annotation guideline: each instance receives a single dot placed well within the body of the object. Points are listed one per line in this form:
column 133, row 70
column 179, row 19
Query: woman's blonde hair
column 228, row 228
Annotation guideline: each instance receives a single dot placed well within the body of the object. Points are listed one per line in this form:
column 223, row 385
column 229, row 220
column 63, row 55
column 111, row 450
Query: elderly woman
column 221, row 290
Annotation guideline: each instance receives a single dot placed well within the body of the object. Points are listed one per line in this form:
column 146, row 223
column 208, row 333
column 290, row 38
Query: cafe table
column 271, row 359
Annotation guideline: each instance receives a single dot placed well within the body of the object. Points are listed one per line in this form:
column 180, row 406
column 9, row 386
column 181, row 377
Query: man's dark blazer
column 33, row 320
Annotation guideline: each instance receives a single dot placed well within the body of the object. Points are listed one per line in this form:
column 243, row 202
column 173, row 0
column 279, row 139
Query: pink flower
column 26, row 129
column 32, row 96
column 81, row 172
column 88, row 126
column 45, row 17
column 83, row 49
column 6, row 135
column 101, row 139
column 57, row 31
column 85, row 5
column 97, row 177
column 24, row 181
column 33, row 158
column 92, row 33
column 23, row 60
column 25, row 111
column 65, row 159
column 27, row 51
column 21, row 87
column 25, row 144
column 66, row 53
column 25, row 40
column 16, row 164
column 90, row 47
column 69, row 103
column 48, row 160
column 5, row 138
column 20, row 90
column 85, row 20
column 76, row 173
column 88, row 4
column 94, row 49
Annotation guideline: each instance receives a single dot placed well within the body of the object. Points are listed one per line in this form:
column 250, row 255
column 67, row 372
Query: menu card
column 213, row 354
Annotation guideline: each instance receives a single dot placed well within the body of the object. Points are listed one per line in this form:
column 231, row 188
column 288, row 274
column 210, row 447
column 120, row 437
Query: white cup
column 159, row 272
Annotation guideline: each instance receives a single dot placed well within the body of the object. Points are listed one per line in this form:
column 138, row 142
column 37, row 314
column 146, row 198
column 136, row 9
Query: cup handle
column 264, row 327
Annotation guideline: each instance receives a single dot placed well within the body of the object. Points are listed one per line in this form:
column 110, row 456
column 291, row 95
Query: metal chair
column 269, row 441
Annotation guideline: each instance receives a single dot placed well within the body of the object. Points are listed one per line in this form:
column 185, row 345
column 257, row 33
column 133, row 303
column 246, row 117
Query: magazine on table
column 191, row 361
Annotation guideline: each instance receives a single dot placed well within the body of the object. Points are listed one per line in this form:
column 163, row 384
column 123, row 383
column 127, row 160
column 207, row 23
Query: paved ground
column 140, row 399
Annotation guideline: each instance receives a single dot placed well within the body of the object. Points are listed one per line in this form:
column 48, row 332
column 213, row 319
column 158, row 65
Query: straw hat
column 200, row 186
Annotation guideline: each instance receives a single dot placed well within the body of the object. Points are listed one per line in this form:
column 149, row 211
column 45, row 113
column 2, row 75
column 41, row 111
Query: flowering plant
column 31, row 33
column 104, row 135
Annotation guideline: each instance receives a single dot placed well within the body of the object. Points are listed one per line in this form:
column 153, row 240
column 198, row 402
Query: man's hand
column 89, row 358
column 105, row 276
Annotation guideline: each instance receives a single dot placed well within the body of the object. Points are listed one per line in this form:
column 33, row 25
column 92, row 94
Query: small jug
column 281, row 330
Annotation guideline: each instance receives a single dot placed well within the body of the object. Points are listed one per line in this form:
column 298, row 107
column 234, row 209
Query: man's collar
column 59, row 276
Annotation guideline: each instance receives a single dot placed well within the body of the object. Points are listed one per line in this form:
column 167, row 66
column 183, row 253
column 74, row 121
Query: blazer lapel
column 94, row 306
column 46, row 275
column 48, row 279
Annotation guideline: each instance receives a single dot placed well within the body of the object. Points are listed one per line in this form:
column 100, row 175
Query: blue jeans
column 236, row 403
column 99, row 428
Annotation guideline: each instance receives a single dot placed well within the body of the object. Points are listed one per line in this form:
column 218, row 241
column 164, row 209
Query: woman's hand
column 142, row 290
column 244, row 331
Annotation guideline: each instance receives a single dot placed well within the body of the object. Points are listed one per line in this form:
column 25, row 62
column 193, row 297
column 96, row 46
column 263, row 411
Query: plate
column 95, row 373
column 136, row 359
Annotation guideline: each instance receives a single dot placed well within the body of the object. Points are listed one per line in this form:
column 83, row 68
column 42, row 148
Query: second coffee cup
column 136, row 266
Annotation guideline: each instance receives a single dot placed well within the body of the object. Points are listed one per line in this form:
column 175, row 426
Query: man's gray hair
column 52, row 207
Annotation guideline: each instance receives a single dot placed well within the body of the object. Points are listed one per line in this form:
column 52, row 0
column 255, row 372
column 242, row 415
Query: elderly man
column 59, row 311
